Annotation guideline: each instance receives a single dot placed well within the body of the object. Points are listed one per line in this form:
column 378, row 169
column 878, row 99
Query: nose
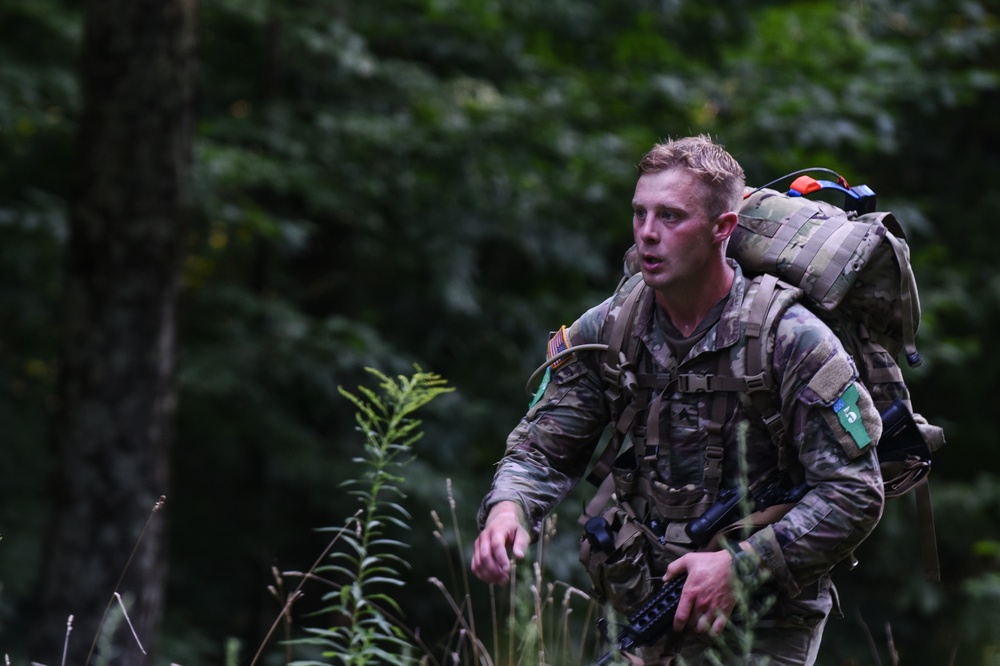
column 644, row 227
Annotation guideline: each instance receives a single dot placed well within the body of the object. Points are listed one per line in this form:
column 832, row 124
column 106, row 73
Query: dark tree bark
column 114, row 425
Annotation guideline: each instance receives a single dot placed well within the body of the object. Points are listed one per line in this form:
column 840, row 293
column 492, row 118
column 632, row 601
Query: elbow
column 868, row 501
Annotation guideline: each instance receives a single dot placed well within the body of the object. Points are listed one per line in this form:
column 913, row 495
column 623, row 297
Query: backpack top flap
column 854, row 265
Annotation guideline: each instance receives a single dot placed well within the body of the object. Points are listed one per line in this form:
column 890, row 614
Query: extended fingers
column 683, row 613
column 712, row 622
column 497, row 551
column 719, row 624
column 685, row 605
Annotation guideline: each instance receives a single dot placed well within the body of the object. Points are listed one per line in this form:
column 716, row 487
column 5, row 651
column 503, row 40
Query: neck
column 687, row 305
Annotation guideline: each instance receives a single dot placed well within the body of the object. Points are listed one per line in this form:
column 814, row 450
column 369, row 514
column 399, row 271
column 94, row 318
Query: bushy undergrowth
column 534, row 621
column 540, row 620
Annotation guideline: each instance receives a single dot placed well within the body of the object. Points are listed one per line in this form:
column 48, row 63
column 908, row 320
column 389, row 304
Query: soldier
column 692, row 313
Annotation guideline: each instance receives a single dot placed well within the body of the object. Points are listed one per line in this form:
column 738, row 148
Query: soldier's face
column 675, row 239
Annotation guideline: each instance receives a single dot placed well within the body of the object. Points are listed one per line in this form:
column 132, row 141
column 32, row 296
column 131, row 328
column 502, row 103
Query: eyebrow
column 658, row 207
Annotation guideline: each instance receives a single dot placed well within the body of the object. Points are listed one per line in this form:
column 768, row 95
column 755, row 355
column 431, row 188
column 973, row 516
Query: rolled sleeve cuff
column 765, row 544
column 493, row 498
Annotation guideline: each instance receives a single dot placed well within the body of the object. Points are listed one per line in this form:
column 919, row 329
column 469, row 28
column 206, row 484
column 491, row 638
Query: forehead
column 674, row 188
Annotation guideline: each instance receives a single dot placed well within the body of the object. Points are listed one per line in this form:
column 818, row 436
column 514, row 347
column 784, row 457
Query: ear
column 725, row 224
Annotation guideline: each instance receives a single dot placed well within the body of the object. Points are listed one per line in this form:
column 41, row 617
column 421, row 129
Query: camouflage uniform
column 549, row 450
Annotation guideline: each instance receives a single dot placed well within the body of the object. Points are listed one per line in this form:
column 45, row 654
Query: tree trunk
column 114, row 425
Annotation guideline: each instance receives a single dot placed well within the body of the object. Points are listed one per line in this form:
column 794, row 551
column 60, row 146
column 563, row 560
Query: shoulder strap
column 621, row 388
column 621, row 391
column 763, row 310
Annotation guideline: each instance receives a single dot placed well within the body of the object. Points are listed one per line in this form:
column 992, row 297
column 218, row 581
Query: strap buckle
column 756, row 382
column 694, row 383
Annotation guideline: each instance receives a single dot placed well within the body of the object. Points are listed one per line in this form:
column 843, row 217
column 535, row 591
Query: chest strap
column 628, row 389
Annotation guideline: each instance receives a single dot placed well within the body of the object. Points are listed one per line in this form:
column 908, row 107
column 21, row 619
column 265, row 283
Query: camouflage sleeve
column 549, row 449
column 833, row 427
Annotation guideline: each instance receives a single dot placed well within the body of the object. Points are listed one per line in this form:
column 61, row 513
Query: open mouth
column 650, row 262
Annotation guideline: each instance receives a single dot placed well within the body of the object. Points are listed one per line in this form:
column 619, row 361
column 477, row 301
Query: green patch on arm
column 846, row 408
column 546, row 378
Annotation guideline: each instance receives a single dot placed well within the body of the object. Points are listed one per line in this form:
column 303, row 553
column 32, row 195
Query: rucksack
column 852, row 266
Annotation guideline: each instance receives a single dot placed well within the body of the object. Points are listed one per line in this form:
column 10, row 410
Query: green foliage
column 442, row 182
column 953, row 621
column 537, row 619
column 538, row 627
column 370, row 560
column 38, row 99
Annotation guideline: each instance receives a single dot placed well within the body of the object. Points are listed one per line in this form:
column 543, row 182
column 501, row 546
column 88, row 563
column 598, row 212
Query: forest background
column 214, row 214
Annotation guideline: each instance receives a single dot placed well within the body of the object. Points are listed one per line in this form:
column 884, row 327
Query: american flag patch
column 559, row 343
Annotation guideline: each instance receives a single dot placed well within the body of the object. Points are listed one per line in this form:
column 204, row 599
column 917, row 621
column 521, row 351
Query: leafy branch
column 369, row 560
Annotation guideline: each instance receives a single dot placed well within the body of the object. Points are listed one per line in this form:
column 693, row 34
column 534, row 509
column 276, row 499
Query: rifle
column 655, row 618
column 656, row 615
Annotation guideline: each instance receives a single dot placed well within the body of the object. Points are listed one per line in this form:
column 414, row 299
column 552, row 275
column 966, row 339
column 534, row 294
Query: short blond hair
column 721, row 176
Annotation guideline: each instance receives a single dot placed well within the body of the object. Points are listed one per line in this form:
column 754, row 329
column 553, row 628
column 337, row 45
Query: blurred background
column 214, row 214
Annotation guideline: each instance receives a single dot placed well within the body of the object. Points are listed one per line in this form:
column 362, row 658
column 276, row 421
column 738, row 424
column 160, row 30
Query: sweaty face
column 675, row 239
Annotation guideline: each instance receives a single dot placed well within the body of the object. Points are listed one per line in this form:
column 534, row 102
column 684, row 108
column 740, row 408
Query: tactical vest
column 637, row 391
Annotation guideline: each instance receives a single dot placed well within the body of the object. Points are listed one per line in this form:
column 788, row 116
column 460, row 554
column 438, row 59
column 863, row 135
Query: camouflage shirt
column 549, row 450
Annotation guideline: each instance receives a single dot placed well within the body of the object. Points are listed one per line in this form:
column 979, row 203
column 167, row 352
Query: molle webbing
column 853, row 271
column 809, row 244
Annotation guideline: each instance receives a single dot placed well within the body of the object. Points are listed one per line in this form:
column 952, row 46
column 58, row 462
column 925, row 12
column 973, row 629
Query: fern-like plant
column 369, row 561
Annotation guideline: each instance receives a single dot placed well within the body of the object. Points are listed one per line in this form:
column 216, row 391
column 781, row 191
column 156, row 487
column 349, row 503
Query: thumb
column 676, row 568
column 520, row 546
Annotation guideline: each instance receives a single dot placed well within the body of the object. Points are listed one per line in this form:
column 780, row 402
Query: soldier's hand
column 707, row 597
column 504, row 529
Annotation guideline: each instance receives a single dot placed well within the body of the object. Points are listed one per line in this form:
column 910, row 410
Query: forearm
column 828, row 524
column 524, row 478
column 548, row 451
